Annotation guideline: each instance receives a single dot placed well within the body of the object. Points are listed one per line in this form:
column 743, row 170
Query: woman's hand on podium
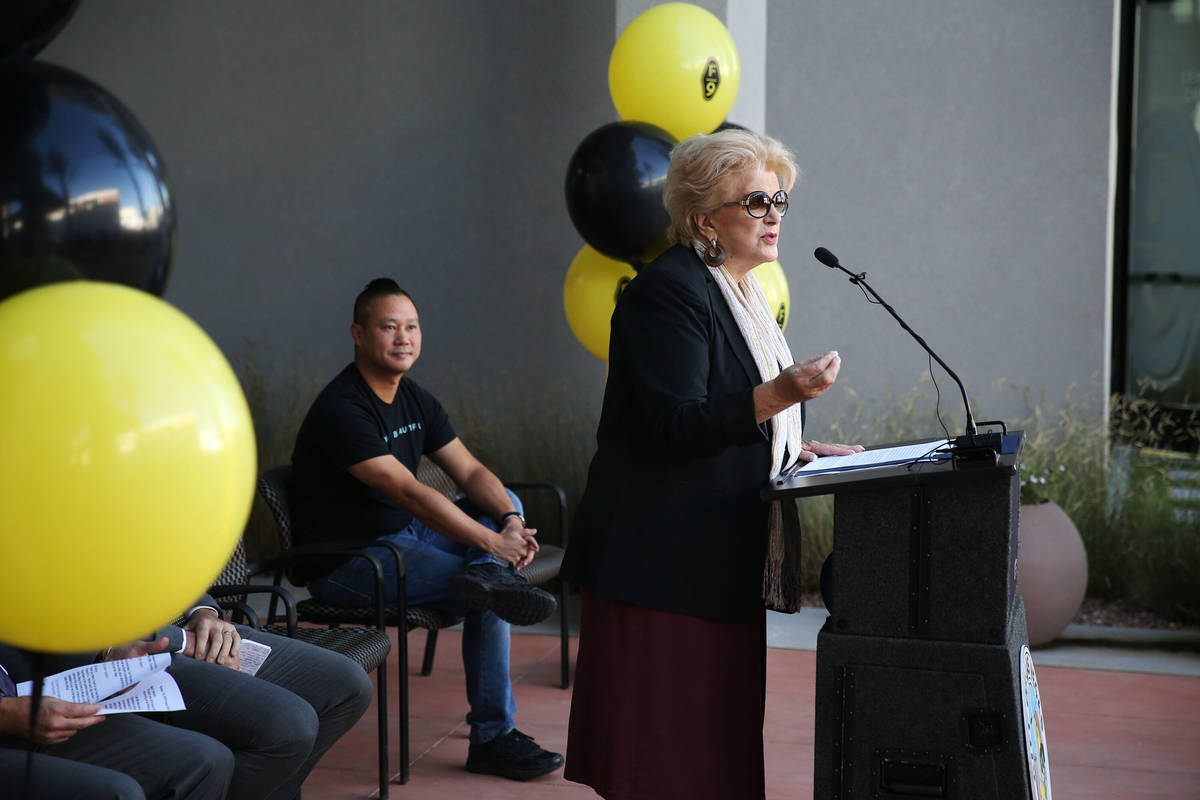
column 812, row 449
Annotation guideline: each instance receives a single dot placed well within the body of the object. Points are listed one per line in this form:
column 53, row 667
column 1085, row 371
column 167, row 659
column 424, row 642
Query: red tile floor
column 1111, row 735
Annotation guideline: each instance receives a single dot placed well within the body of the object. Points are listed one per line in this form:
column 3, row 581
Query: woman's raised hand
column 809, row 379
column 804, row 380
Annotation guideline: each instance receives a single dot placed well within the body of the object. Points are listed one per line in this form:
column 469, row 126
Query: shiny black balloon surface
column 83, row 190
column 615, row 183
column 26, row 26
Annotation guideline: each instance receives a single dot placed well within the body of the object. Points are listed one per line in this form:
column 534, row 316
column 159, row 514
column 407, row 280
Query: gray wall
column 315, row 145
column 957, row 151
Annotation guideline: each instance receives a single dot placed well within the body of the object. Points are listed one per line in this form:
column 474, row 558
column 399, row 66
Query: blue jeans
column 431, row 560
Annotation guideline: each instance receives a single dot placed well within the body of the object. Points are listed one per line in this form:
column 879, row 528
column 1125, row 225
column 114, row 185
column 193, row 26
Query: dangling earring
column 714, row 254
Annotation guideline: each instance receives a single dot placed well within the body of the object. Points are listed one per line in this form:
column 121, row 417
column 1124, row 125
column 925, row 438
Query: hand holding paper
column 57, row 720
column 150, row 687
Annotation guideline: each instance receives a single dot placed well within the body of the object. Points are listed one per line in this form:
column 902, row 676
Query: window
column 1157, row 297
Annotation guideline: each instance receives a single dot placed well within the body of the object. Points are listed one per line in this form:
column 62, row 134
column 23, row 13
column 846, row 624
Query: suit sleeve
column 19, row 665
column 664, row 333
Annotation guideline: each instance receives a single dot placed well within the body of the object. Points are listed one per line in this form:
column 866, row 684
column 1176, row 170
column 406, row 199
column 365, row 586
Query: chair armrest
column 329, row 547
column 233, row 589
column 354, row 549
column 560, row 496
column 241, row 613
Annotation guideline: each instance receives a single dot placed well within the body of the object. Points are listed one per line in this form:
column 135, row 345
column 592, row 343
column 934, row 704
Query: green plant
column 1161, row 553
column 816, row 520
column 1120, row 491
column 551, row 440
column 278, row 397
column 1038, row 486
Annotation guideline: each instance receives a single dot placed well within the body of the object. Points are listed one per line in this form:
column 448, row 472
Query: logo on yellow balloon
column 711, row 79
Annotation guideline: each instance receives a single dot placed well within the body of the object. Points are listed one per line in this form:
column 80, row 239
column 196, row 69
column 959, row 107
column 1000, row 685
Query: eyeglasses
column 758, row 204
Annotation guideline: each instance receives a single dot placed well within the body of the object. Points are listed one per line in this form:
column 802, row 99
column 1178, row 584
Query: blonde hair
column 703, row 167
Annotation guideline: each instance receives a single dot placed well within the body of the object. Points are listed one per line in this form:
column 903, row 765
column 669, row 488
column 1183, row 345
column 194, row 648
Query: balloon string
column 39, row 673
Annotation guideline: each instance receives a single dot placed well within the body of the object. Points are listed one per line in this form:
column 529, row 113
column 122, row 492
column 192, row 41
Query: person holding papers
column 301, row 700
column 80, row 755
column 672, row 546
column 239, row 736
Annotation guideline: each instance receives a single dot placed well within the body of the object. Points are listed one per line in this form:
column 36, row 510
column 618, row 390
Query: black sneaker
column 503, row 592
column 513, row 755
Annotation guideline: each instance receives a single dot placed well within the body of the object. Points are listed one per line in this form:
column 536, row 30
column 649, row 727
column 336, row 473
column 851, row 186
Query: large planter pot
column 1052, row 570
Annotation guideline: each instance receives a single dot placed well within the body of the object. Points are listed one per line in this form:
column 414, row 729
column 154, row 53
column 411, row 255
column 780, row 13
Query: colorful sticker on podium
column 1036, row 754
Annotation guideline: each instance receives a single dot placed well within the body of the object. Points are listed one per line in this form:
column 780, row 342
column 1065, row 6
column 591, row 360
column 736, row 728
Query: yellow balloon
column 589, row 296
column 675, row 66
column 127, row 465
column 774, row 285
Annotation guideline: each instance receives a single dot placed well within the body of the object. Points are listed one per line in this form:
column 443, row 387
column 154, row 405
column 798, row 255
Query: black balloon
column 26, row 26
column 83, row 190
column 615, row 183
column 731, row 126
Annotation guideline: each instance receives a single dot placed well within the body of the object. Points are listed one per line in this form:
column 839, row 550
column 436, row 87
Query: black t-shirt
column 348, row 424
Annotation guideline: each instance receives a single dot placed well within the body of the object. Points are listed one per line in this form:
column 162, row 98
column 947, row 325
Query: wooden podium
column 924, row 683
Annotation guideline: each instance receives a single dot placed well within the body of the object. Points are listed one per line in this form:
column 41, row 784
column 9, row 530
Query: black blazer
column 671, row 516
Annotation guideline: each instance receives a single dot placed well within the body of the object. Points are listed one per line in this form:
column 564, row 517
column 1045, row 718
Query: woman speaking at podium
column 672, row 546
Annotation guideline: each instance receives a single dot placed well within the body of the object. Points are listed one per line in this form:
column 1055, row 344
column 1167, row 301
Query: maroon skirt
column 666, row 705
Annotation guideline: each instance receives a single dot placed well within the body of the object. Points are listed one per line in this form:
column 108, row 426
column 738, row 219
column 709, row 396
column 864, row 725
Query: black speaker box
column 931, row 561
column 899, row 718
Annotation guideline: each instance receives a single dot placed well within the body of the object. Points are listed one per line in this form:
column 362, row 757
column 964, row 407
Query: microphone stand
column 969, row 450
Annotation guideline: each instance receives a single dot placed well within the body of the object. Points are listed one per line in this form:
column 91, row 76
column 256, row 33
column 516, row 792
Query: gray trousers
column 240, row 736
column 126, row 757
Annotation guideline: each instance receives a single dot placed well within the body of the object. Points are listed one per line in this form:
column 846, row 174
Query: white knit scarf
column 764, row 339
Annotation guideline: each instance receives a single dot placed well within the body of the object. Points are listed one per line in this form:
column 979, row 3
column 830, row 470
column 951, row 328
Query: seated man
column 354, row 470
column 129, row 757
column 239, row 737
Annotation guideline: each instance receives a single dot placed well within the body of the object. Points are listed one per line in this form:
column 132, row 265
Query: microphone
column 972, row 449
column 827, row 258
